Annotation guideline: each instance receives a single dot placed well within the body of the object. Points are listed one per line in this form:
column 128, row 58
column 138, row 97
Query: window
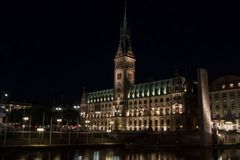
column 150, row 101
column 167, row 111
column 145, row 101
column 130, row 103
column 161, row 111
column 168, row 122
column 162, row 122
column 238, row 84
column 140, row 102
column 145, row 122
column 135, row 102
column 135, row 123
column 156, row 122
column 161, row 99
column 167, row 99
column 231, row 85
column 140, row 123
column 156, row 100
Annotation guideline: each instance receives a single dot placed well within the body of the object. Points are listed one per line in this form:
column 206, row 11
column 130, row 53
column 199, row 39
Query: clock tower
column 124, row 73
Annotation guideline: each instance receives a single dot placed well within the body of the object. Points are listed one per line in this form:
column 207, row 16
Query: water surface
column 120, row 154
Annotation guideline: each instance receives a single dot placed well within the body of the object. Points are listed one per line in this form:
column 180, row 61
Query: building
column 164, row 105
column 7, row 107
column 225, row 107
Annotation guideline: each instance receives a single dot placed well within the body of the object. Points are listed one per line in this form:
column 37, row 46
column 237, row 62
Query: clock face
column 119, row 76
column 129, row 76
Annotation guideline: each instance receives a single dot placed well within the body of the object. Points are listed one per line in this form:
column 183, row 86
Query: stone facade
column 225, row 103
column 163, row 105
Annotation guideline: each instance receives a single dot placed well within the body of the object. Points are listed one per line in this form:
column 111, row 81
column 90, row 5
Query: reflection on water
column 121, row 154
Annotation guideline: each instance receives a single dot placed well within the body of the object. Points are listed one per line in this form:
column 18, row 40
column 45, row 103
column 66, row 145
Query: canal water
column 121, row 154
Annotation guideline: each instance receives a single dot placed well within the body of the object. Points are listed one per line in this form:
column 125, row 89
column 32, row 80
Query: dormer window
column 231, row 85
column 223, row 86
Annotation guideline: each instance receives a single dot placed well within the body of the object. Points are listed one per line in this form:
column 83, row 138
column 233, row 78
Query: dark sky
column 51, row 50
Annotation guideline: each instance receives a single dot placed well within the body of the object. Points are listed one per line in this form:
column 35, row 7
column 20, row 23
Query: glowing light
column 59, row 120
column 58, row 108
column 40, row 129
column 25, row 118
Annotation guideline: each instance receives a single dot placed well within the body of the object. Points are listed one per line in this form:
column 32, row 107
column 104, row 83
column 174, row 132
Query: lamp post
column 87, row 122
column 76, row 108
column 59, row 121
column 40, row 131
column 24, row 124
column 29, row 132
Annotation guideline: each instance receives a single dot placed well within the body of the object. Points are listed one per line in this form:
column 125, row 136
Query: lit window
column 231, row 85
column 223, row 86
column 238, row 84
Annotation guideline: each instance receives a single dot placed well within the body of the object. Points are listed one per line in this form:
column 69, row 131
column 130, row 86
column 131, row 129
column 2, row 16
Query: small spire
column 83, row 98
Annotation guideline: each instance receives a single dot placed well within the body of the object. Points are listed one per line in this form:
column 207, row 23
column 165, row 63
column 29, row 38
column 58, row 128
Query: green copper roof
column 100, row 96
column 154, row 88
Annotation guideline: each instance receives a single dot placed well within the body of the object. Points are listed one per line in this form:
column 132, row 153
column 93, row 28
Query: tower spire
column 124, row 48
column 125, row 18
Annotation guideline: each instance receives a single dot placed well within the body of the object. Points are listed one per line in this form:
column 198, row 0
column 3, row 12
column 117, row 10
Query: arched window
column 135, row 123
column 168, row 122
column 162, row 121
column 145, row 122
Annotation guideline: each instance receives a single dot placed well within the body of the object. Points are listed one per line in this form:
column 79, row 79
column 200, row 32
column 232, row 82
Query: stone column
column 205, row 113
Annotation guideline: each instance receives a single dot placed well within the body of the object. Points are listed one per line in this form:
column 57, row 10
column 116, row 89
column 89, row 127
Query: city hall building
column 163, row 105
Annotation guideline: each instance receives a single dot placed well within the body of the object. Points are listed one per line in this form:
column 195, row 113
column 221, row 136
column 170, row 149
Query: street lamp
column 40, row 131
column 58, row 108
column 24, row 124
column 59, row 121
column 76, row 107
column 87, row 122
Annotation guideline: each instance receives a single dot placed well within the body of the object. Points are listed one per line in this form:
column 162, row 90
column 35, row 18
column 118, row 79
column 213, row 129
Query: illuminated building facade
column 7, row 107
column 225, row 102
column 162, row 105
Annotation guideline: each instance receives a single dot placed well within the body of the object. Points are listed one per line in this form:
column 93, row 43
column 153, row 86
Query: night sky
column 50, row 51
